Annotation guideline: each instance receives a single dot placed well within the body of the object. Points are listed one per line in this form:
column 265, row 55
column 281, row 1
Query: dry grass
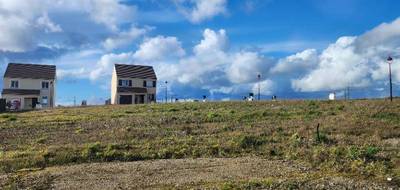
column 357, row 138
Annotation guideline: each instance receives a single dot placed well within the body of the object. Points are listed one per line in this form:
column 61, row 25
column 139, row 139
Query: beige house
column 133, row 84
column 26, row 86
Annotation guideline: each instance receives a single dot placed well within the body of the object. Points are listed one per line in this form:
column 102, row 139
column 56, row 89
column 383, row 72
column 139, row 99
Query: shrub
column 12, row 118
column 211, row 116
column 92, row 151
column 5, row 116
column 365, row 153
column 295, row 140
column 41, row 140
column 247, row 142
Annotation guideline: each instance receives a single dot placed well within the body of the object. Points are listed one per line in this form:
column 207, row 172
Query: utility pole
column 166, row 91
column 259, row 78
column 390, row 61
column 74, row 101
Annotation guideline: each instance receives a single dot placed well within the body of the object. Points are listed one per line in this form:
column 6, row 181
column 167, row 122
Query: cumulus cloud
column 245, row 67
column 212, row 42
column 199, row 10
column 298, row 62
column 159, row 47
column 385, row 35
column 21, row 22
column 124, row 38
column 214, row 68
column 110, row 12
column 266, row 87
column 106, row 63
column 357, row 61
column 338, row 68
column 15, row 34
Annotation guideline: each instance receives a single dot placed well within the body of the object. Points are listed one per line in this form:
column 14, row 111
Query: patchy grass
column 353, row 141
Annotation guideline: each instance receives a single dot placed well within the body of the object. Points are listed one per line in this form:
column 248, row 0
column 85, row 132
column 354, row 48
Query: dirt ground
column 215, row 173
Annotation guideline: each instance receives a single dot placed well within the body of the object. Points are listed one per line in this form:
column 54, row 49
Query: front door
column 139, row 99
column 34, row 102
column 125, row 99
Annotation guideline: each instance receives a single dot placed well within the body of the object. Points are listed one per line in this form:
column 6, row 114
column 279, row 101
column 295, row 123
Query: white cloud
column 304, row 60
column 338, row 68
column 106, row 63
column 212, row 67
column 199, row 10
column 110, row 12
column 266, row 87
column 245, row 67
column 48, row 25
column 15, row 34
column 292, row 46
column 159, row 47
column 355, row 61
column 22, row 22
column 212, row 42
column 386, row 34
column 124, row 38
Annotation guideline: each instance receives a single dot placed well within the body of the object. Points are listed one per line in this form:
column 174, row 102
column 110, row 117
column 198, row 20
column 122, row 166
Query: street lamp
column 258, row 78
column 390, row 61
column 166, row 91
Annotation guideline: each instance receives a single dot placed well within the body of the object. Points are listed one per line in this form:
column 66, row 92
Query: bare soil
column 213, row 173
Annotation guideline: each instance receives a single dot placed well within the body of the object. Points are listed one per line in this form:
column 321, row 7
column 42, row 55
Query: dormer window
column 125, row 83
column 45, row 85
column 14, row 84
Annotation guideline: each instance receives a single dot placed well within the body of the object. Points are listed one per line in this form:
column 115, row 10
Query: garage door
column 125, row 99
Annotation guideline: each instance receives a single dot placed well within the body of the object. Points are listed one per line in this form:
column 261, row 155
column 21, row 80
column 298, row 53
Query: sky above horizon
column 301, row 49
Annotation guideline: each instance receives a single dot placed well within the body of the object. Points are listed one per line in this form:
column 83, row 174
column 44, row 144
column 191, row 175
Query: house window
column 14, row 84
column 144, row 83
column 45, row 85
column 154, row 84
column 125, row 83
column 44, row 100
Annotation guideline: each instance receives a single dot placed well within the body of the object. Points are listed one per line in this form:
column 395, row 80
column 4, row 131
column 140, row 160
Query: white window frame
column 124, row 82
column 149, row 84
column 14, row 82
column 45, row 98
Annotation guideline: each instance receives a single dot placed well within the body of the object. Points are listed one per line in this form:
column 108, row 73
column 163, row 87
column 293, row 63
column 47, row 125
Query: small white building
column 332, row 96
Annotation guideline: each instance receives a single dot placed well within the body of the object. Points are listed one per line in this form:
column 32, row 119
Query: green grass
column 353, row 138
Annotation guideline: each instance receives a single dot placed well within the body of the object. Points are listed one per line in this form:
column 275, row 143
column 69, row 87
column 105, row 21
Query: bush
column 367, row 153
column 12, row 118
column 211, row 116
column 92, row 151
column 247, row 142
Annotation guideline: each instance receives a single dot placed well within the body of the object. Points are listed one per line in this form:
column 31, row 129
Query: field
column 225, row 145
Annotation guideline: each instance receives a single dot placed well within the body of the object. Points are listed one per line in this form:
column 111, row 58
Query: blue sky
column 302, row 48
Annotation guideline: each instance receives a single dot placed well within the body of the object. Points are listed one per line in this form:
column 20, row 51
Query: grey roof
column 132, row 89
column 135, row 71
column 20, row 92
column 32, row 71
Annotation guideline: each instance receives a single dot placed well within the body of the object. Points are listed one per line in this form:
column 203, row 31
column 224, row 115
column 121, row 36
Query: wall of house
column 114, row 85
column 21, row 98
column 33, row 84
column 135, row 83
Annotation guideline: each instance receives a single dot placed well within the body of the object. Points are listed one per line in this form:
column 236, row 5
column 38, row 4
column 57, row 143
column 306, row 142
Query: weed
column 247, row 142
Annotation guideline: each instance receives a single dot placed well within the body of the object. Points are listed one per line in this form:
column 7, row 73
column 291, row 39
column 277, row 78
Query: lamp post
column 166, row 91
column 390, row 61
column 258, row 78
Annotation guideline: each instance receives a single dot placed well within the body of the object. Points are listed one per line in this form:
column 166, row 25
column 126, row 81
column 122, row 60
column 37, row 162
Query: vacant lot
column 208, row 145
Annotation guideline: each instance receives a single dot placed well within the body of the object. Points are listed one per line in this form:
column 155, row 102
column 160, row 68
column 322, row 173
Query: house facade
column 28, row 86
column 133, row 84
